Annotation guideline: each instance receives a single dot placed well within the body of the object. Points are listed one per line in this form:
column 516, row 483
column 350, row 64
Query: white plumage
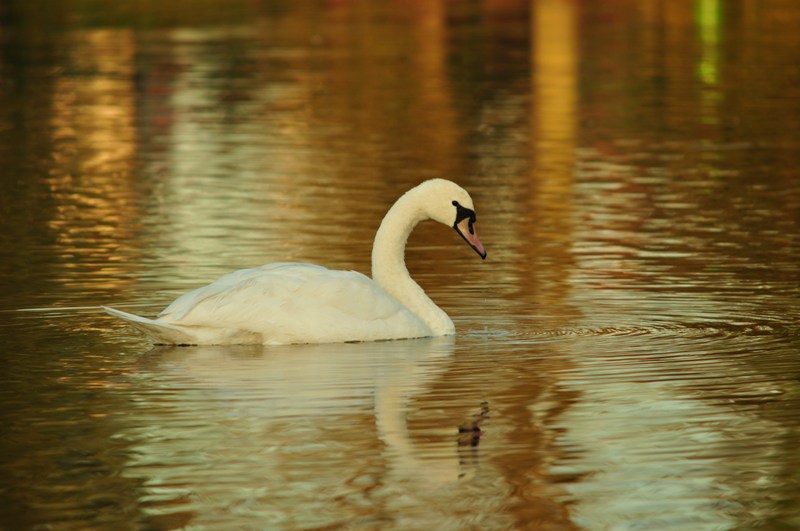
column 284, row 303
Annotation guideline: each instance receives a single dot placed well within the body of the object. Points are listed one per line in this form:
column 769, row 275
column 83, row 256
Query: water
column 628, row 352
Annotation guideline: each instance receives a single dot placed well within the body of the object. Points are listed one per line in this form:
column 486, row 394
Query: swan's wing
column 290, row 303
column 284, row 273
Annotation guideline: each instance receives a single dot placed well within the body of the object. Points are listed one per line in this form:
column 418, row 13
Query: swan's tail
column 160, row 333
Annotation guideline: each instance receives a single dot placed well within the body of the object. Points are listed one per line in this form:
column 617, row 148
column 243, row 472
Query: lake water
column 629, row 351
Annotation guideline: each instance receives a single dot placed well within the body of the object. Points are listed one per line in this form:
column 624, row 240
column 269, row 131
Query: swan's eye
column 463, row 213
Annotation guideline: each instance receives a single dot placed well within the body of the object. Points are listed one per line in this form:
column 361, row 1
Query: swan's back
column 296, row 303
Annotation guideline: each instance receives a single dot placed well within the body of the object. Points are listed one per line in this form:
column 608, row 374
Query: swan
column 285, row 302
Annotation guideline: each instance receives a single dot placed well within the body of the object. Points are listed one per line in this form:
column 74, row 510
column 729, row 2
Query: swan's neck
column 389, row 266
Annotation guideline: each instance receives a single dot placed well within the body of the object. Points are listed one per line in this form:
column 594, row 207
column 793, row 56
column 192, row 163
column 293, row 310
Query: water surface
column 629, row 351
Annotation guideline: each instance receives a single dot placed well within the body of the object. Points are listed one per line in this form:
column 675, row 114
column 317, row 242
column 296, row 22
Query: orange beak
column 466, row 228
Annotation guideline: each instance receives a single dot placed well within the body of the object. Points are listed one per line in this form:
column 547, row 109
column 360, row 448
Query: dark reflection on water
column 634, row 332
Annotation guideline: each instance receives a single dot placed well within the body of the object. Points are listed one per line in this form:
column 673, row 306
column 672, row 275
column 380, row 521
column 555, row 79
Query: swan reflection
column 287, row 425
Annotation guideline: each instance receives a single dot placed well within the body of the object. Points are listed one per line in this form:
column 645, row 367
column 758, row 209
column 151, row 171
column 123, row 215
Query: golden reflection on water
column 555, row 59
column 94, row 138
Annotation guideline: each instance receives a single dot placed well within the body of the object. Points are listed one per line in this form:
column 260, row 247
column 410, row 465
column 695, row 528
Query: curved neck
column 389, row 266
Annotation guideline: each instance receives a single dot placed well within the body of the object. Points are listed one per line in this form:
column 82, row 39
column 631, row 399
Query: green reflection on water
column 709, row 21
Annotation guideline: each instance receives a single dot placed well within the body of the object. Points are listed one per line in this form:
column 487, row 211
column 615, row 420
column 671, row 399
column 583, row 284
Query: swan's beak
column 466, row 228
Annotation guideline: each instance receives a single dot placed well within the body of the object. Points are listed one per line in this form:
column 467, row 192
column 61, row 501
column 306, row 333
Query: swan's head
column 448, row 203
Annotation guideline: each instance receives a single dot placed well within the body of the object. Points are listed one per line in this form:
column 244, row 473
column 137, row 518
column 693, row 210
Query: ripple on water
column 680, row 416
column 652, row 331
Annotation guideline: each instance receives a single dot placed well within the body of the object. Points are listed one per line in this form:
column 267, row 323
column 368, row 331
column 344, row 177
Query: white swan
column 285, row 303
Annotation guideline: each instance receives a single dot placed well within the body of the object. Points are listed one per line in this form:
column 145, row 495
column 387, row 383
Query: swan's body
column 286, row 303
